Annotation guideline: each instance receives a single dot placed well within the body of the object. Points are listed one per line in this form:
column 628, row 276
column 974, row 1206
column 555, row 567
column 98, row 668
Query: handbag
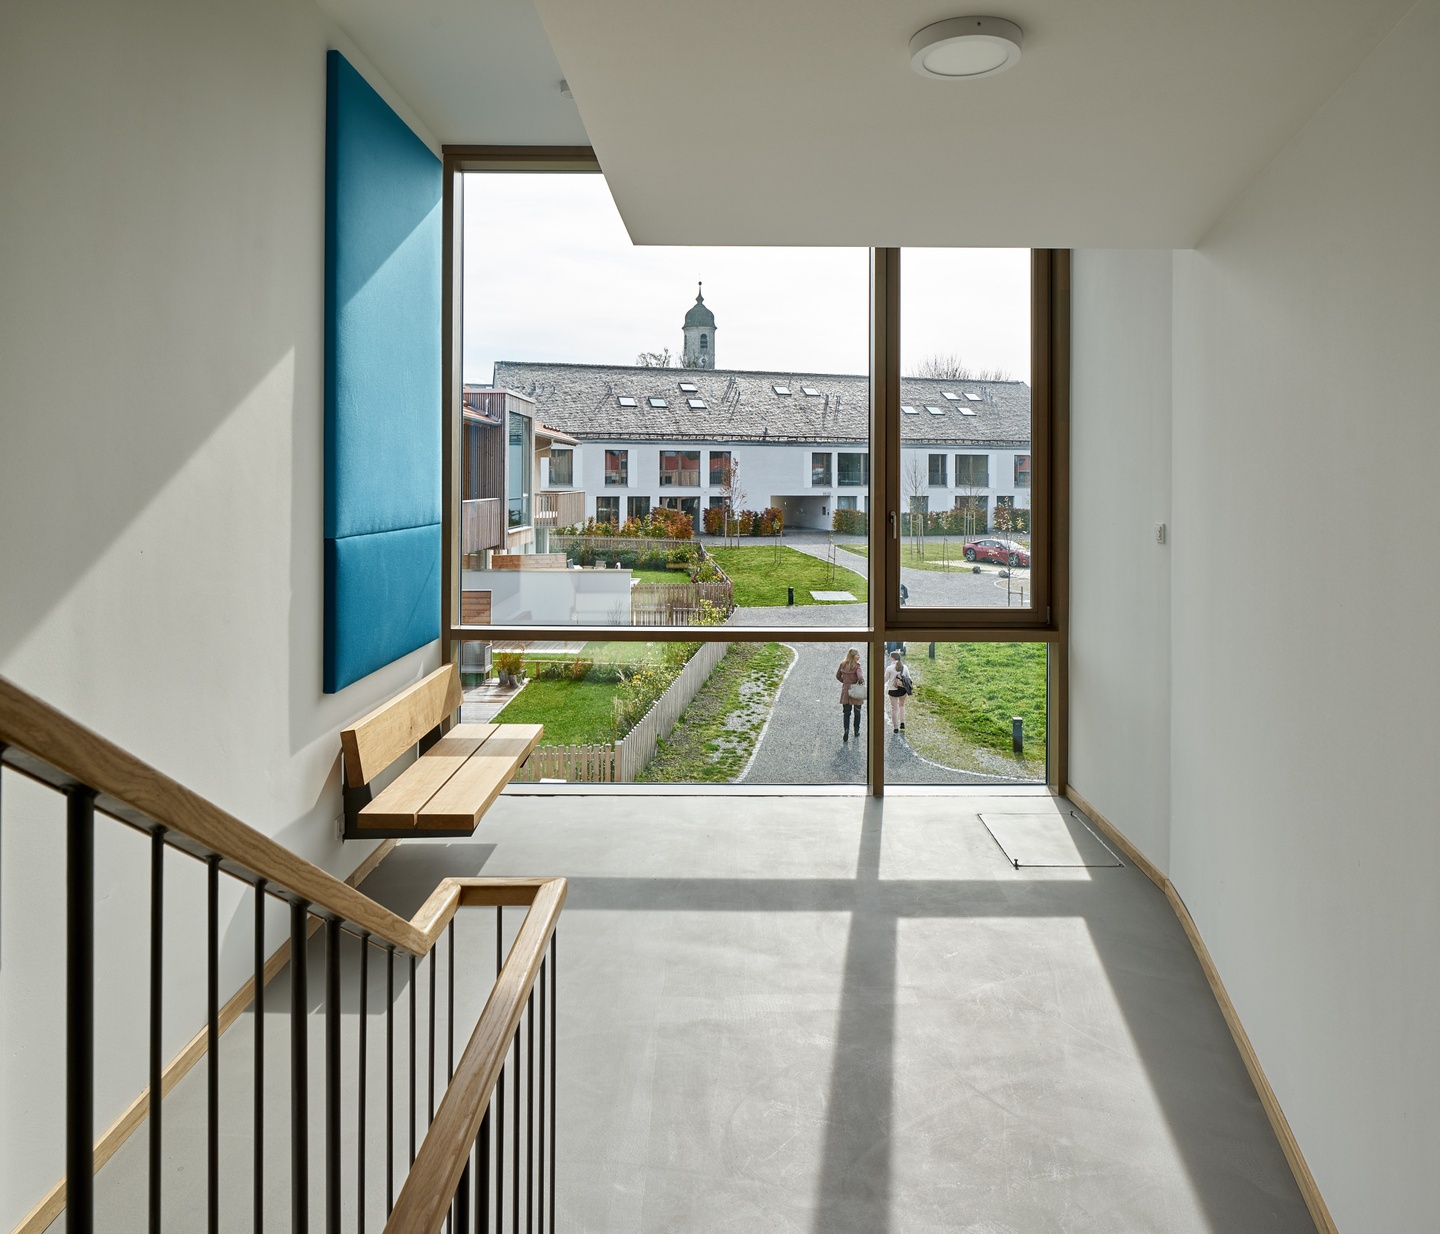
column 856, row 692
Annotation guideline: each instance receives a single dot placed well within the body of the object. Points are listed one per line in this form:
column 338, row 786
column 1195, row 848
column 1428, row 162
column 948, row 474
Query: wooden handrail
column 425, row 1198
column 134, row 792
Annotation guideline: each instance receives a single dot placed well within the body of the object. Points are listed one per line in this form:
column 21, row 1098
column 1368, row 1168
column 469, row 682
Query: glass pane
column 651, row 471
column 975, row 713
column 674, row 713
column 965, row 442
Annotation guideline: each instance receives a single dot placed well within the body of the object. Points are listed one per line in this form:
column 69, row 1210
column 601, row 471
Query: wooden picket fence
column 578, row 764
column 678, row 604
column 627, row 758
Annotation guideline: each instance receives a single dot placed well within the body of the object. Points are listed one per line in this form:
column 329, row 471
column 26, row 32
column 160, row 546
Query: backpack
column 906, row 684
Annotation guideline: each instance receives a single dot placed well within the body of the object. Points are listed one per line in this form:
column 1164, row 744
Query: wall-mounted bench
column 460, row 771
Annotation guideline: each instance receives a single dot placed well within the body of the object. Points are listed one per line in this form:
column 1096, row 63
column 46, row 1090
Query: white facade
column 790, row 476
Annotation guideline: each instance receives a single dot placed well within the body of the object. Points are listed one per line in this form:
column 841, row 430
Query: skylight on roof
column 954, row 398
column 626, row 401
column 908, row 410
column 697, row 403
column 933, row 410
column 967, row 411
column 974, row 398
column 781, row 389
column 689, row 387
column 809, row 392
column 658, row 402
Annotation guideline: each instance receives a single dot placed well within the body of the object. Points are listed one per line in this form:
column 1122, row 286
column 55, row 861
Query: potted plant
column 511, row 667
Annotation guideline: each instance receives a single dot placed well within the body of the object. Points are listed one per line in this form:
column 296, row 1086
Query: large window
column 972, row 470
column 617, row 467
column 943, row 355
column 562, row 468
column 518, row 464
column 680, row 468
column 852, row 470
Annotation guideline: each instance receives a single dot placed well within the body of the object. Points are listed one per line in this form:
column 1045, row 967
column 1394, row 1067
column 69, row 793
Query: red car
column 1006, row 552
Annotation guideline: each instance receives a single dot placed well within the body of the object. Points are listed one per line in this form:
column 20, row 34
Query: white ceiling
column 477, row 72
column 1127, row 123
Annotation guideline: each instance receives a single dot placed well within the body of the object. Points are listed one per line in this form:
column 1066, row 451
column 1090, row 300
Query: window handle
column 894, row 525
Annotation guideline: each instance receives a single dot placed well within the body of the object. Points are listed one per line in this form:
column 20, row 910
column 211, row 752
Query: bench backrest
column 373, row 743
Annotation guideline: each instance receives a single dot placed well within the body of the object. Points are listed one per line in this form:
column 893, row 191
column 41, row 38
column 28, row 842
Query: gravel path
column 801, row 744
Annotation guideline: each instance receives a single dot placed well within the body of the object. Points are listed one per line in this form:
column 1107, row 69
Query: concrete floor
column 820, row 1014
column 834, row 1014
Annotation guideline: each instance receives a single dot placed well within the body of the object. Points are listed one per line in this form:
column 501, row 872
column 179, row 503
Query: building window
column 820, row 470
column 1022, row 471
column 517, row 468
column 562, row 468
column 704, row 342
column 719, row 468
column 680, row 468
column 853, row 469
column 920, row 505
column 637, row 507
column 617, row 468
column 845, row 503
column 937, row 471
column 607, row 510
column 972, row 471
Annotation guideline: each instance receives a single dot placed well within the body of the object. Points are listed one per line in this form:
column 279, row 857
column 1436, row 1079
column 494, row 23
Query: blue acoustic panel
column 392, row 574
column 383, row 191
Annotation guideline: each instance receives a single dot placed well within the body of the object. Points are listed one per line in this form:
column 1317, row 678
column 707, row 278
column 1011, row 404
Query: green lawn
column 573, row 712
column 717, row 733
column 660, row 576
column 760, row 579
column 964, row 699
column 605, row 653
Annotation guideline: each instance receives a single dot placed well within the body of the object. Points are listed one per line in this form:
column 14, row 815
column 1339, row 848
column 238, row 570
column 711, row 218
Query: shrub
column 851, row 522
column 771, row 521
column 706, row 572
column 509, row 662
column 713, row 520
column 638, row 693
column 669, row 525
column 579, row 668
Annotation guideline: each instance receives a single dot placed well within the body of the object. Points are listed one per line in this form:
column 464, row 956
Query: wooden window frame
column 1046, row 621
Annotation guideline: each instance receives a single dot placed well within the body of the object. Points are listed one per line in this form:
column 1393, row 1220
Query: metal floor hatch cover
column 1048, row 840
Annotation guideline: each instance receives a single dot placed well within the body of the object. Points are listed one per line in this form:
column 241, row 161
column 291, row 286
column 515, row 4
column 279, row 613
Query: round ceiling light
column 963, row 48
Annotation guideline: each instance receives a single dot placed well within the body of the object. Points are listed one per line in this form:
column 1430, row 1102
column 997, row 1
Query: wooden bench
column 460, row 771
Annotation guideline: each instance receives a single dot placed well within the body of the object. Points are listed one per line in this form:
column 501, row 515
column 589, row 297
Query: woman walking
column 897, row 686
column 851, row 677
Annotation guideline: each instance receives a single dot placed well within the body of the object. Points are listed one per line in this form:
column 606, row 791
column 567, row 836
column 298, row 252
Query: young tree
column 916, row 482
column 732, row 493
column 948, row 366
column 655, row 359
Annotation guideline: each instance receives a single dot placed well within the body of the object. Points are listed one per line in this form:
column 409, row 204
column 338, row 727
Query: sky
column 550, row 274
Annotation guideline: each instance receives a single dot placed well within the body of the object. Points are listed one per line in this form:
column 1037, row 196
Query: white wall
column 1120, row 585
column 161, row 215
column 1305, row 670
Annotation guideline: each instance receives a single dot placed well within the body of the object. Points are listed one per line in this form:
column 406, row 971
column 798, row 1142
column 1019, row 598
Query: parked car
column 1006, row 552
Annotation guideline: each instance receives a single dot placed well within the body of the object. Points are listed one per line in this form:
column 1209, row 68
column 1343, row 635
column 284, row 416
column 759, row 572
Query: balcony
column 559, row 507
column 482, row 527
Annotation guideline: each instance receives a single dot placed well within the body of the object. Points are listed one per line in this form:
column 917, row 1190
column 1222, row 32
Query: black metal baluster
column 360, row 1095
column 332, row 1076
column 430, row 1055
column 482, row 1177
column 212, row 1046
column 413, row 982
column 80, row 1011
column 530, row 1113
column 157, row 975
column 499, row 1093
column 459, row 1202
column 258, row 1169
column 389, row 1081
column 540, row 1139
column 515, row 1146
column 299, row 1072
column 554, row 1074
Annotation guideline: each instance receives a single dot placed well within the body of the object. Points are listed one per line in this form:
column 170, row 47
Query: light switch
column 1159, row 533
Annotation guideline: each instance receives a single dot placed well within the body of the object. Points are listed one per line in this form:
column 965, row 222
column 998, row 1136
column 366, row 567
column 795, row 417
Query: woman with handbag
column 851, row 677
column 897, row 685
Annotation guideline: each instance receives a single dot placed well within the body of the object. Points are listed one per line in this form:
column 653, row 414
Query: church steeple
column 699, row 349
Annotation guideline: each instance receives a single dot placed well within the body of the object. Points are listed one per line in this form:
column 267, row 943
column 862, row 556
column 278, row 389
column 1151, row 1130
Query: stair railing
column 461, row 1172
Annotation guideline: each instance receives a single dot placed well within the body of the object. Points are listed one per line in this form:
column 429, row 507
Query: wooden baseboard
column 52, row 1204
column 1314, row 1201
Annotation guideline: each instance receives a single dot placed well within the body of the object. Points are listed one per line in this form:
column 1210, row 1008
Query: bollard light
column 1017, row 734
column 791, row 600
